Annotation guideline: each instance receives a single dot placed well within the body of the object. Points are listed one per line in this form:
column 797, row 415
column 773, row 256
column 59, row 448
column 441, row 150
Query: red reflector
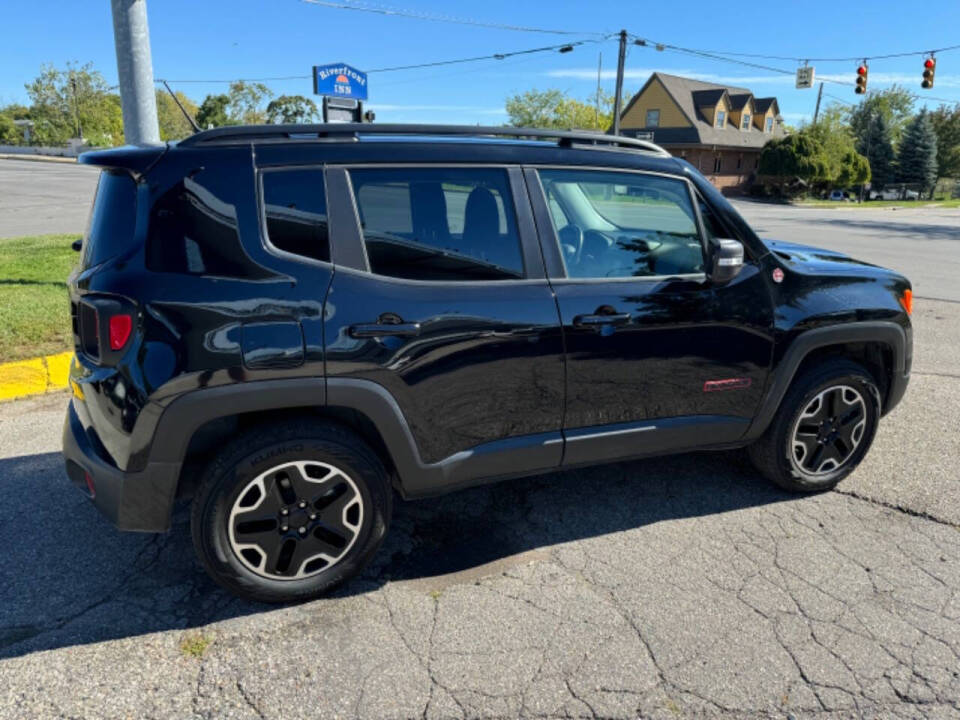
column 90, row 486
column 120, row 327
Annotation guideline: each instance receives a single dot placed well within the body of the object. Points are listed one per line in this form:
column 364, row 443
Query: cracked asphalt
column 666, row 588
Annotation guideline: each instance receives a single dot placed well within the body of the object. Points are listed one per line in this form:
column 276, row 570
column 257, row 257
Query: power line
column 856, row 58
column 563, row 47
column 435, row 17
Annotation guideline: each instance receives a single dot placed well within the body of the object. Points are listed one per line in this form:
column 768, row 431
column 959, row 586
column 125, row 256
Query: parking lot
column 665, row 588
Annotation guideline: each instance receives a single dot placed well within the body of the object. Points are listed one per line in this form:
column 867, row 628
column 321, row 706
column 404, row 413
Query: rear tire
column 289, row 511
column 822, row 430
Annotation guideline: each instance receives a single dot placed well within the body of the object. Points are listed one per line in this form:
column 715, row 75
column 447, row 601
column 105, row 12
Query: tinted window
column 438, row 224
column 112, row 218
column 623, row 224
column 193, row 230
column 295, row 207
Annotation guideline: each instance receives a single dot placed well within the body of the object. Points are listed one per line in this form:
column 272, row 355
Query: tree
column 292, row 109
column 895, row 104
column 245, row 101
column 946, row 124
column 785, row 160
column 213, row 112
column 173, row 125
column 854, row 170
column 554, row 109
column 845, row 166
column 76, row 98
column 9, row 133
column 878, row 149
column 917, row 159
column 534, row 108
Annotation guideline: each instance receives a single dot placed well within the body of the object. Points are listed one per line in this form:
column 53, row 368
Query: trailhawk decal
column 727, row 384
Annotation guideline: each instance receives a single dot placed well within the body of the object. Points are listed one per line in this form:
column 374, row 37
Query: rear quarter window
column 113, row 218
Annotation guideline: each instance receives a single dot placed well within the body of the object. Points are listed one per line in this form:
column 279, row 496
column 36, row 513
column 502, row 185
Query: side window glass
column 438, row 223
column 295, row 209
column 194, row 230
column 623, row 224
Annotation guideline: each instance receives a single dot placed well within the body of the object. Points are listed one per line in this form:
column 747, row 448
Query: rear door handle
column 374, row 330
column 596, row 320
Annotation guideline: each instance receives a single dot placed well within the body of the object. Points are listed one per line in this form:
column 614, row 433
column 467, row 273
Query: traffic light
column 861, row 79
column 929, row 70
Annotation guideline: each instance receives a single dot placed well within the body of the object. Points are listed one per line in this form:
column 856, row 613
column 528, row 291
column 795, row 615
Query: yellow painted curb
column 34, row 376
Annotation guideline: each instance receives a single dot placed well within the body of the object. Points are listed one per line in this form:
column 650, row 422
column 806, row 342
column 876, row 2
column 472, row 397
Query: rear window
column 295, row 210
column 439, row 223
column 113, row 218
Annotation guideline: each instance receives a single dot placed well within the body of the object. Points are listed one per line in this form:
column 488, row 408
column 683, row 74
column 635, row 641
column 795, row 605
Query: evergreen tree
column 917, row 160
column 877, row 147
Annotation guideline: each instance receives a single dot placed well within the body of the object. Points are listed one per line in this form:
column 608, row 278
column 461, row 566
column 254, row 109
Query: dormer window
column 745, row 122
column 769, row 125
column 721, row 118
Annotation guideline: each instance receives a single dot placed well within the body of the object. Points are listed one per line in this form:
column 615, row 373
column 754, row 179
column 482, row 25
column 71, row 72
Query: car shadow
column 68, row 577
column 917, row 231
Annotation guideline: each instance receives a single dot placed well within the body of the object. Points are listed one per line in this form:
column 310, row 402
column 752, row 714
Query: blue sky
column 222, row 39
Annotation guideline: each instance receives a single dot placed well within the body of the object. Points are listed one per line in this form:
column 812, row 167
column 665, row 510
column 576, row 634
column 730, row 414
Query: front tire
column 822, row 430
column 287, row 512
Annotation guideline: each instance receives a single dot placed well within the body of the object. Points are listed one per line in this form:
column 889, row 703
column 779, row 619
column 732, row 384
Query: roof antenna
column 193, row 123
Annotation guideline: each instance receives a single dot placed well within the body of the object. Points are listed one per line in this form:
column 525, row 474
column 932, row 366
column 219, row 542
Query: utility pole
column 596, row 120
column 616, row 99
column 816, row 112
column 135, row 71
column 76, row 104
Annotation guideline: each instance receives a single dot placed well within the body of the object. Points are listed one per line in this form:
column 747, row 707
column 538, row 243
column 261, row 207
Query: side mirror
column 727, row 260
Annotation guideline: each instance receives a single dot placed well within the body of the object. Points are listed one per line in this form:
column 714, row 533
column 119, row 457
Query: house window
column 739, row 161
column 745, row 123
column 721, row 118
column 769, row 125
column 717, row 163
column 653, row 118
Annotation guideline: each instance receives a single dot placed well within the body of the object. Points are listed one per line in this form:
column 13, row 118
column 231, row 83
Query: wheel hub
column 295, row 520
column 828, row 430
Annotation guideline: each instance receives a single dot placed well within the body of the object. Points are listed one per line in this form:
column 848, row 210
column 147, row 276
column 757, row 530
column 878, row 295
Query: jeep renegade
column 289, row 323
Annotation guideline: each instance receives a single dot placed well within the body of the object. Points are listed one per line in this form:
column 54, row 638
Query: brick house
column 717, row 128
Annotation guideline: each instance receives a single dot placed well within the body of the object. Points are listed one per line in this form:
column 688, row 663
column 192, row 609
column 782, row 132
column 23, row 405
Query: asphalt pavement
column 39, row 197
column 666, row 588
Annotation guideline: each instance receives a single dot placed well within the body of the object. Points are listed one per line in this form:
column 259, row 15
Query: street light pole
column 135, row 71
column 616, row 98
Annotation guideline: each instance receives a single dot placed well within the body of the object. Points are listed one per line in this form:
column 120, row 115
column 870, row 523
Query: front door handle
column 375, row 330
column 598, row 320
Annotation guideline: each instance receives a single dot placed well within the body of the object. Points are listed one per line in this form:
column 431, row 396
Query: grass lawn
column 34, row 311
column 874, row 204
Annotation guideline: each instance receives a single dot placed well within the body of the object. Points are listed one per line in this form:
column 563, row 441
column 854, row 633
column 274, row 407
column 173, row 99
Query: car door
column 659, row 358
column 441, row 299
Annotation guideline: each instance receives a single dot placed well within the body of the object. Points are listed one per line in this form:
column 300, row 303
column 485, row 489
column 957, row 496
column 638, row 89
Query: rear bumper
column 130, row 500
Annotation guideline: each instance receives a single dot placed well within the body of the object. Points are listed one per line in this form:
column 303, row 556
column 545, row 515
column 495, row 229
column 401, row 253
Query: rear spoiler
column 136, row 159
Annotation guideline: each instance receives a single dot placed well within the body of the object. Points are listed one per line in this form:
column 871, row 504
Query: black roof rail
column 347, row 132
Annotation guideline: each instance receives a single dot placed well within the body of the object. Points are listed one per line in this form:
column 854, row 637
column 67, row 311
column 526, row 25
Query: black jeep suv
column 287, row 323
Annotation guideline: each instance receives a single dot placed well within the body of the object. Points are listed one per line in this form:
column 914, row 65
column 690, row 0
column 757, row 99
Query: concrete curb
column 34, row 376
column 38, row 158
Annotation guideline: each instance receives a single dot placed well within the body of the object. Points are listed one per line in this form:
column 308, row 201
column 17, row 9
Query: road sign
column 805, row 77
column 339, row 80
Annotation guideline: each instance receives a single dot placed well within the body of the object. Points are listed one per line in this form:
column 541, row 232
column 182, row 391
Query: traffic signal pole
column 616, row 99
column 135, row 71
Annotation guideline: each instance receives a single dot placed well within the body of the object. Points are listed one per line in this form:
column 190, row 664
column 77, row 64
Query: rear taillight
column 105, row 326
column 91, row 488
column 120, row 327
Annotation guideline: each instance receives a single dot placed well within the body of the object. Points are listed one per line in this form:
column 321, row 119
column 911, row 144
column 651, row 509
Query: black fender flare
column 888, row 333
